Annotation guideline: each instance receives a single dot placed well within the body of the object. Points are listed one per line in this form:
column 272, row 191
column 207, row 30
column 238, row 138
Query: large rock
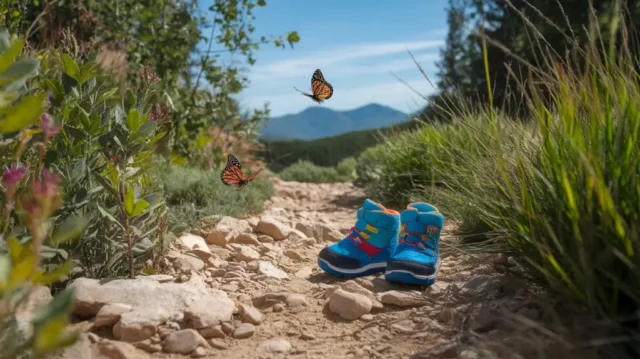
column 203, row 306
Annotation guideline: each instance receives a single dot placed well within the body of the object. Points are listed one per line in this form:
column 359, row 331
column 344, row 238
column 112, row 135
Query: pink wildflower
column 48, row 128
column 47, row 186
column 13, row 175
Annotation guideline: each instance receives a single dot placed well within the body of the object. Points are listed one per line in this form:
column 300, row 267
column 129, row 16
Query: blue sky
column 358, row 44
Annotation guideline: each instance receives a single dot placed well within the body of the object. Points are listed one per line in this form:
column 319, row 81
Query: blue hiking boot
column 416, row 259
column 368, row 246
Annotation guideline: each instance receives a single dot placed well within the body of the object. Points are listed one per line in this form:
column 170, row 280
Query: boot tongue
column 422, row 207
column 409, row 215
column 370, row 205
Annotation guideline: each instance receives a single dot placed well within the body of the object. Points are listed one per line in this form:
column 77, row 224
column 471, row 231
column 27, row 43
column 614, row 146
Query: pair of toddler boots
column 405, row 246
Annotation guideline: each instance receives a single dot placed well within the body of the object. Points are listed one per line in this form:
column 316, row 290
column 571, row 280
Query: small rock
column 277, row 345
column 183, row 341
column 246, row 254
column 263, row 238
column 227, row 328
column 270, row 270
column 349, row 306
column 468, row 354
column 403, row 299
column 244, row 330
column 120, row 350
column 273, row 228
column 250, row 314
column 293, row 255
column 366, row 317
column 139, row 324
column 218, row 344
column 212, row 332
column 332, row 235
column 185, row 262
column 199, row 352
column 196, row 244
column 277, row 308
column 110, row 314
column 295, row 300
column 247, row 238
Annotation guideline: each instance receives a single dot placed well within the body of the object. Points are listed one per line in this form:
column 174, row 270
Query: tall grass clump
column 562, row 191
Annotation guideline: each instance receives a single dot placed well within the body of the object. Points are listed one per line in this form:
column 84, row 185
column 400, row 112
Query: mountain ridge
column 317, row 122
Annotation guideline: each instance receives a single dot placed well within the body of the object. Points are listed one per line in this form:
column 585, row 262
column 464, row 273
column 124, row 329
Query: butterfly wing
column 321, row 88
column 304, row 93
column 253, row 175
column 232, row 173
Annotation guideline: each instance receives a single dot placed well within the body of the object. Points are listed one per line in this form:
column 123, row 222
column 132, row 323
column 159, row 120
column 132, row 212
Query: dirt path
column 263, row 269
column 405, row 320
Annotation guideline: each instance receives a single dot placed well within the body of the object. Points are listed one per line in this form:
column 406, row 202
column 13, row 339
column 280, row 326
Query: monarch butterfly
column 232, row 173
column 322, row 90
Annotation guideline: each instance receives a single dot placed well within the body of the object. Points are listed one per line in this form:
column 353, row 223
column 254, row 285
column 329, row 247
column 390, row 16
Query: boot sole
column 352, row 273
column 408, row 277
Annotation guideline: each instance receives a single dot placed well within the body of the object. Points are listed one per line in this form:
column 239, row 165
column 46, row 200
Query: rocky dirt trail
column 251, row 288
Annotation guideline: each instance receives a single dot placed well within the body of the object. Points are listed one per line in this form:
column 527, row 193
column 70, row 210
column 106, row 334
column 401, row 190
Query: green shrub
column 193, row 194
column 30, row 196
column 305, row 171
column 347, row 168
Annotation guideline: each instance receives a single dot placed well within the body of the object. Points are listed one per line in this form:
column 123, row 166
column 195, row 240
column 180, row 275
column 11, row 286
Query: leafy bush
column 347, row 168
column 193, row 194
column 305, row 171
column 30, row 197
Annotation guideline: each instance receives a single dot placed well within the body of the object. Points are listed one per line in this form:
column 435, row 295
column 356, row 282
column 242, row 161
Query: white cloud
column 393, row 93
column 330, row 58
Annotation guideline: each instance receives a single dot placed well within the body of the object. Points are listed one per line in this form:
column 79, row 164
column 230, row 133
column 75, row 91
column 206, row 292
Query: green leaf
column 134, row 120
column 24, row 114
column 71, row 68
column 129, row 100
column 70, row 229
column 128, row 201
column 107, row 95
column 20, row 71
column 5, row 270
column 261, row 3
column 109, row 216
column 10, row 55
column 84, row 118
column 140, row 207
column 54, row 275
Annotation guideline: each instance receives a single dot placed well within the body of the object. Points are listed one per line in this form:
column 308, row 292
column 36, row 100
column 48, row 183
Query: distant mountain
column 319, row 122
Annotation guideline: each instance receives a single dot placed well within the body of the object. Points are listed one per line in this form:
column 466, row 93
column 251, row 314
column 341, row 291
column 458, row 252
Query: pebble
column 218, row 343
column 250, row 314
column 244, row 330
column 276, row 345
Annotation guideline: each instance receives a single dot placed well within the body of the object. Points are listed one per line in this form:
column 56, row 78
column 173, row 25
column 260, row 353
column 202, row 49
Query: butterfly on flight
column 232, row 173
column 320, row 88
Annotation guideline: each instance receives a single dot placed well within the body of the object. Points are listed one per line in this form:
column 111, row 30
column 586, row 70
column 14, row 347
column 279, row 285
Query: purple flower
column 47, row 186
column 13, row 175
column 49, row 129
